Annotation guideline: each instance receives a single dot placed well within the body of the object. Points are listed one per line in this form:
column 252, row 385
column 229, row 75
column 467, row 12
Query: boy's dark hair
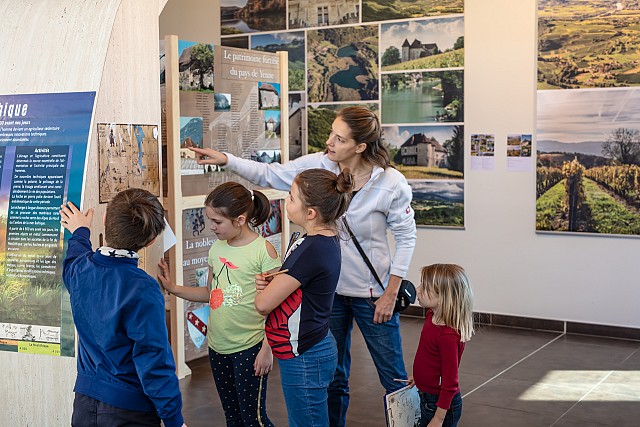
column 329, row 194
column 232, row 200
column 134, row 218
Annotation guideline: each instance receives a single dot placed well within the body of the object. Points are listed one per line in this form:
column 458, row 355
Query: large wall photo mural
column 403, row 59
column 588, row 127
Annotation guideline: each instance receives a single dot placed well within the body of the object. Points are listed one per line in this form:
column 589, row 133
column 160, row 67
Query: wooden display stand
column 235, row 128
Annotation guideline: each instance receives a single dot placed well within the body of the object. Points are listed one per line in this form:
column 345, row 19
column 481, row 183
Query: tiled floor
column 509, row 377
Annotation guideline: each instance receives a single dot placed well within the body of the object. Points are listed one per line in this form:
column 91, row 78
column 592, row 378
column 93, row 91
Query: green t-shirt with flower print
column 234, row 324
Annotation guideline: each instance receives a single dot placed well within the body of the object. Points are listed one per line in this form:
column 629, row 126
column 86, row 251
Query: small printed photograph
column 386, row 10
column 202, row 274
column 244, row 16
column 190, row 132
column 274, row 223
column 420, row 45
column 438, row 203
column 482, row 144
column 294, row 44
column 342, row 64
column 525, row 145
column 194, row 222
column 195, row 66
column 426, row 152
column 266, row 156
column 518, row 145
column 305, row 13
column 272, row 124
column 241, row 42
column 221, row 102
column 320, row 119
column 297, row 125
column 268, row 96
column 419, row 97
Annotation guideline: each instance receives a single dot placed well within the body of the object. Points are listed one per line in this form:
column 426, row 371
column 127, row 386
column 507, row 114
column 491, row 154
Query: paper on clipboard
column 402, row 407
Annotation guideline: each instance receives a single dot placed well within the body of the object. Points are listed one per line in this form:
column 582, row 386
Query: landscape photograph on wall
column 588, row 44
column 422, row 44
column 382, row 10
column 438, row 203
column 342, row 64
column 322, row 13
column 588, row 161
column 293, row 43
column 427, row 152
column 419, row 97
column 248, row 16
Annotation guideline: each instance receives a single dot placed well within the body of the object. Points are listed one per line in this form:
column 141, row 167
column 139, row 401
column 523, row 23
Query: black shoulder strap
column 362, row 254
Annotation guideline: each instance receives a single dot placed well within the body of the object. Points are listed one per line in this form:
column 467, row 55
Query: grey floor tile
column 488, row 416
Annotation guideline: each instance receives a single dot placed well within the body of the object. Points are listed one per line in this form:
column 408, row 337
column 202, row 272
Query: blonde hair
column 450, row 283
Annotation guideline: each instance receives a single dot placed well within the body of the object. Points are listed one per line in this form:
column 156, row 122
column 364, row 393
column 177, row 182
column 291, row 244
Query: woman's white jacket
column 383, row 203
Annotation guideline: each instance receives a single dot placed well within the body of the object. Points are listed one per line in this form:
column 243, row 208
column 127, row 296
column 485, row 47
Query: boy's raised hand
column 72, row 218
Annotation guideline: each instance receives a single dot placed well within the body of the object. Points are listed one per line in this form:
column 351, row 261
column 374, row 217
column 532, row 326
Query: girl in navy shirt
column 298, row 303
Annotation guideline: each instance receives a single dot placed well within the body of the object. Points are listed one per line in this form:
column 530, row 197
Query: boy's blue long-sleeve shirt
column 124, row 357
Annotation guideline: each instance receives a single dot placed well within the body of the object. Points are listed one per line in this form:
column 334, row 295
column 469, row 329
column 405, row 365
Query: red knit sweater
column 438, row 357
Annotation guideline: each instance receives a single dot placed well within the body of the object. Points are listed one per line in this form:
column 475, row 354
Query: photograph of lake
column 342, row 64
column 423, row 97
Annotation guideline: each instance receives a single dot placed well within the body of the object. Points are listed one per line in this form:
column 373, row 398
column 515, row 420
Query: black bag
column 406, row 293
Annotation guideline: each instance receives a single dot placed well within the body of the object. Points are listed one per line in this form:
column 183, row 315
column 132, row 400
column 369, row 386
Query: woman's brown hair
column 365, row 128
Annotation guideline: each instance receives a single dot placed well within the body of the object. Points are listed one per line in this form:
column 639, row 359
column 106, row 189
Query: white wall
column 514, row 270
column 191, row 20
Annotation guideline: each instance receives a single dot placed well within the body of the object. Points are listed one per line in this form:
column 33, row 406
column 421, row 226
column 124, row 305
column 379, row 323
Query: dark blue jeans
column 384, row 344
column 305, row 379
column 243, row 395
column 90, row 412
column 428, row 409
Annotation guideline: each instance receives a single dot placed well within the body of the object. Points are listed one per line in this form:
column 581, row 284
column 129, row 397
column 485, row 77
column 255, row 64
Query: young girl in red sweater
column 445, row 292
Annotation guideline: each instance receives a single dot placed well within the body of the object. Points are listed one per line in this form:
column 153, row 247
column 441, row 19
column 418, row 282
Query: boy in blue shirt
column 126, row 372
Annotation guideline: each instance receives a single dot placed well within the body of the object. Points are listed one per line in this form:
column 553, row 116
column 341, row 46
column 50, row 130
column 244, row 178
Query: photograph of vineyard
column 588, row 43
column 384, row 10
column 588, row 165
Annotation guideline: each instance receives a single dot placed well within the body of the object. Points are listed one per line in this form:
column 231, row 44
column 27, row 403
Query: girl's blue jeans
column 305, row 379
column 428, row 409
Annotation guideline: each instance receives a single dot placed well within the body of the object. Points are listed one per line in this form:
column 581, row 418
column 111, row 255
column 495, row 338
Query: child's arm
column 448, row 343
column 278, row 290
column 191, row 293
column 78, row 223
column 438, row 418
column 264, row 360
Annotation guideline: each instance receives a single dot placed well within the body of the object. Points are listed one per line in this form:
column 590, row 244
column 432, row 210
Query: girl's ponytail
column 327, row 193
column 344, row 186
column 261, row 208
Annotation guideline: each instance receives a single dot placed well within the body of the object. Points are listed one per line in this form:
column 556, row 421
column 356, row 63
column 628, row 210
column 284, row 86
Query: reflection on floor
column 508, row 376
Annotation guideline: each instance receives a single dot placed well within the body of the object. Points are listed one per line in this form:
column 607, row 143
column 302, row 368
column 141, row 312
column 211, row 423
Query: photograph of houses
column 314, row 13
column 297, row 125
column 424, row 44
column 248, row 16
column 342, row 64
column 384, row 10
column 588, row 164
column 272, row 124
column 195, row 66
column 422, row 97
column 293, row 43
column 427, row 152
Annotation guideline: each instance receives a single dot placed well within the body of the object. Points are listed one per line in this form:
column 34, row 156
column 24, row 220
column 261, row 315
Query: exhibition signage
column 43, row 147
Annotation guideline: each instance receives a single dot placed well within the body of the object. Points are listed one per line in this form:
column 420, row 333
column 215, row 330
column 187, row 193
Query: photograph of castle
column 423, row 44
